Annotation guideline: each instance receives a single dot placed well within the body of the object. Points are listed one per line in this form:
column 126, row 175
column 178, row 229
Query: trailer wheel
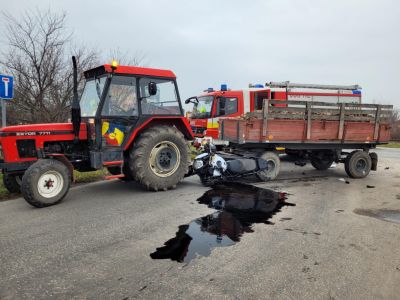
column 12, row 182
column 160, row 158
column 358, row 164
column 45, row 183
column 274, row 165
column 321, row 160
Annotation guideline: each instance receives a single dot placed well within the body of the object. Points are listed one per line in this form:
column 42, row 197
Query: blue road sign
column 6, row 87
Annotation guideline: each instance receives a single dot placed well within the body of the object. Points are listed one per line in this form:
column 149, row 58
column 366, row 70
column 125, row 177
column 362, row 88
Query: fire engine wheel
column 160, row 158
column 358, row 164
column 45, row 183
column 12, row 182
column 321, row 160
column 274, row 165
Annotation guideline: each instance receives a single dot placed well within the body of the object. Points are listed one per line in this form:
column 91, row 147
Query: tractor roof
column 129, row 70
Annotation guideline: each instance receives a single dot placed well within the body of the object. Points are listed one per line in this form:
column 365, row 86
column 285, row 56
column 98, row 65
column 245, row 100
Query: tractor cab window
column 202, row 110
column 91, row 96
column 164, row 102
column 121, row 99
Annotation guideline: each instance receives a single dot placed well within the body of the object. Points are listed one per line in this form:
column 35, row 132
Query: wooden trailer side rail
column 360, row 120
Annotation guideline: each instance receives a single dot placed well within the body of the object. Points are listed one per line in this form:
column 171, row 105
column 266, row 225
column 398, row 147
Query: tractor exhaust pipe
column 76, row 108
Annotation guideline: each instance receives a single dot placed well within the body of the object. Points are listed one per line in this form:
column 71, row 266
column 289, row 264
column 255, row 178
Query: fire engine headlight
column 198, row 164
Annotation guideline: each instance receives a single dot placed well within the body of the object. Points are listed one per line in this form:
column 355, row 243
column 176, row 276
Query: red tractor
column 128, row 119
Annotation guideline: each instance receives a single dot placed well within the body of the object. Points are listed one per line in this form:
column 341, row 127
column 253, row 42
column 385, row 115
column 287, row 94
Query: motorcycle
column 212, row 168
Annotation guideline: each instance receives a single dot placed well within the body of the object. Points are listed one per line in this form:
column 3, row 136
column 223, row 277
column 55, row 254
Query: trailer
column 324, row 132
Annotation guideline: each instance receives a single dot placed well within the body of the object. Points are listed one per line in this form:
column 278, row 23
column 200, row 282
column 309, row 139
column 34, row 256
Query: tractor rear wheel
column 160, row 158
column 12, row 182
column 45, row 183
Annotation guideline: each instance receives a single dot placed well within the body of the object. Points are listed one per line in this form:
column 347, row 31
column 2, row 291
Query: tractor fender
column 61, row 158
column 181, row 123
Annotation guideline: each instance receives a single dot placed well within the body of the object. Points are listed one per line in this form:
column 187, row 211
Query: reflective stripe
column 246, row 101
column 212, row 123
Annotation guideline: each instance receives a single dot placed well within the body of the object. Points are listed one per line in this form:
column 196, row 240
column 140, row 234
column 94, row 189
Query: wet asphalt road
column 96, row 243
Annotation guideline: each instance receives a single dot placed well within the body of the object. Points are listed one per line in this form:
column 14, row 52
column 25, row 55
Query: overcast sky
column 207, row 42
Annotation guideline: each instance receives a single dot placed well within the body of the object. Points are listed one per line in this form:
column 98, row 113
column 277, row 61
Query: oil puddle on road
column 383, row 214
column 238, row 206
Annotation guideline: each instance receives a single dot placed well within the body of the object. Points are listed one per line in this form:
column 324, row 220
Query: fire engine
column 214, row 104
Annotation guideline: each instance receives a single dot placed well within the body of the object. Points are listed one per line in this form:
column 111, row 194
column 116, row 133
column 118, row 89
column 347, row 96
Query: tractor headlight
column 198, row 164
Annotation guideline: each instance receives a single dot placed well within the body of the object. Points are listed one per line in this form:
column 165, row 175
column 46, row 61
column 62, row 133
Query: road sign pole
column 3, row 113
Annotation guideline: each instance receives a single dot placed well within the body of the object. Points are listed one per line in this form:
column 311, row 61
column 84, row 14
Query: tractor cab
column 117, row 99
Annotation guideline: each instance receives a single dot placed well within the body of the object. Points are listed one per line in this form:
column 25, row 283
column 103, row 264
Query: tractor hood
column 41, row 130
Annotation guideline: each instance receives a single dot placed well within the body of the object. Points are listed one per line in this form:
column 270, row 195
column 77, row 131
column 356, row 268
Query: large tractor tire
column 321, row 160
column 274, row 166
column 45, row 183
column 12, row 182
column 358, row 164
column 160, row 158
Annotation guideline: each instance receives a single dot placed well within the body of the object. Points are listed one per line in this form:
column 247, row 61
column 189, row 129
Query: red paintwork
column 287, row 130
column 9, row 142
column 322, row 94
column 113, row 163
column 180, row 122
column 276, row 95
column 141, row 71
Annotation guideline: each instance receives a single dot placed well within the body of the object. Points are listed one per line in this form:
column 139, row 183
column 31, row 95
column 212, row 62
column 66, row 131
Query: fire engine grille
column 26, row 148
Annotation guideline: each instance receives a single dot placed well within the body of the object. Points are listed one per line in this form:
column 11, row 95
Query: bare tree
column 394, row 121
column 126, row 58
column 38, row 57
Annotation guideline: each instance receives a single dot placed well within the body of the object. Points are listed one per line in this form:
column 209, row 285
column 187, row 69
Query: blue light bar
column 224, row 87
column 210, row 90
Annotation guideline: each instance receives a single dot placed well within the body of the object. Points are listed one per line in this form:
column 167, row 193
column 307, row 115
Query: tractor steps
column 109, row 177
column 113, row 163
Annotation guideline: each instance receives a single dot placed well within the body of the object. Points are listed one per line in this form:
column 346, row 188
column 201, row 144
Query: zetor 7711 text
column 129, row 120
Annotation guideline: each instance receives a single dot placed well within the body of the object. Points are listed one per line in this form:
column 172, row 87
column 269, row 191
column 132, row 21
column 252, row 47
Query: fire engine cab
column 215, row 104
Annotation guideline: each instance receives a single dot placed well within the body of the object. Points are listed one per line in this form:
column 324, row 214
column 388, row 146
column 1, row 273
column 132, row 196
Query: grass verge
column 79, row 178
column 391, row 145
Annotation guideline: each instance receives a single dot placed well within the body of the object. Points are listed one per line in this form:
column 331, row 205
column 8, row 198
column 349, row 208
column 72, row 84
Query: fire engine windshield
column 91, row 96
column 202, row 110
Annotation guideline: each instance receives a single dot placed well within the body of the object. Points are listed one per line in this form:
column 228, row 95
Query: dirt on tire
column 30, row 182
column 139, row 158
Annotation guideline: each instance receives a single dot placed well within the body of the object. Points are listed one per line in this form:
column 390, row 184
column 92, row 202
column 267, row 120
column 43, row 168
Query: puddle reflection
column 238, row 206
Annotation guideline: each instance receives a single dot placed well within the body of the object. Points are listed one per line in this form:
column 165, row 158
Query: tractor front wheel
column 12, row 182
column 45, row 183
column 160, row 158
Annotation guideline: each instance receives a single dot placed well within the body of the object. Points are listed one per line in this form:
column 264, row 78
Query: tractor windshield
column 202, row 110
column 91, row 96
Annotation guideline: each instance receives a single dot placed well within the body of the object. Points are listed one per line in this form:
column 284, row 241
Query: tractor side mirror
column 193, row 100
column 152, row 87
